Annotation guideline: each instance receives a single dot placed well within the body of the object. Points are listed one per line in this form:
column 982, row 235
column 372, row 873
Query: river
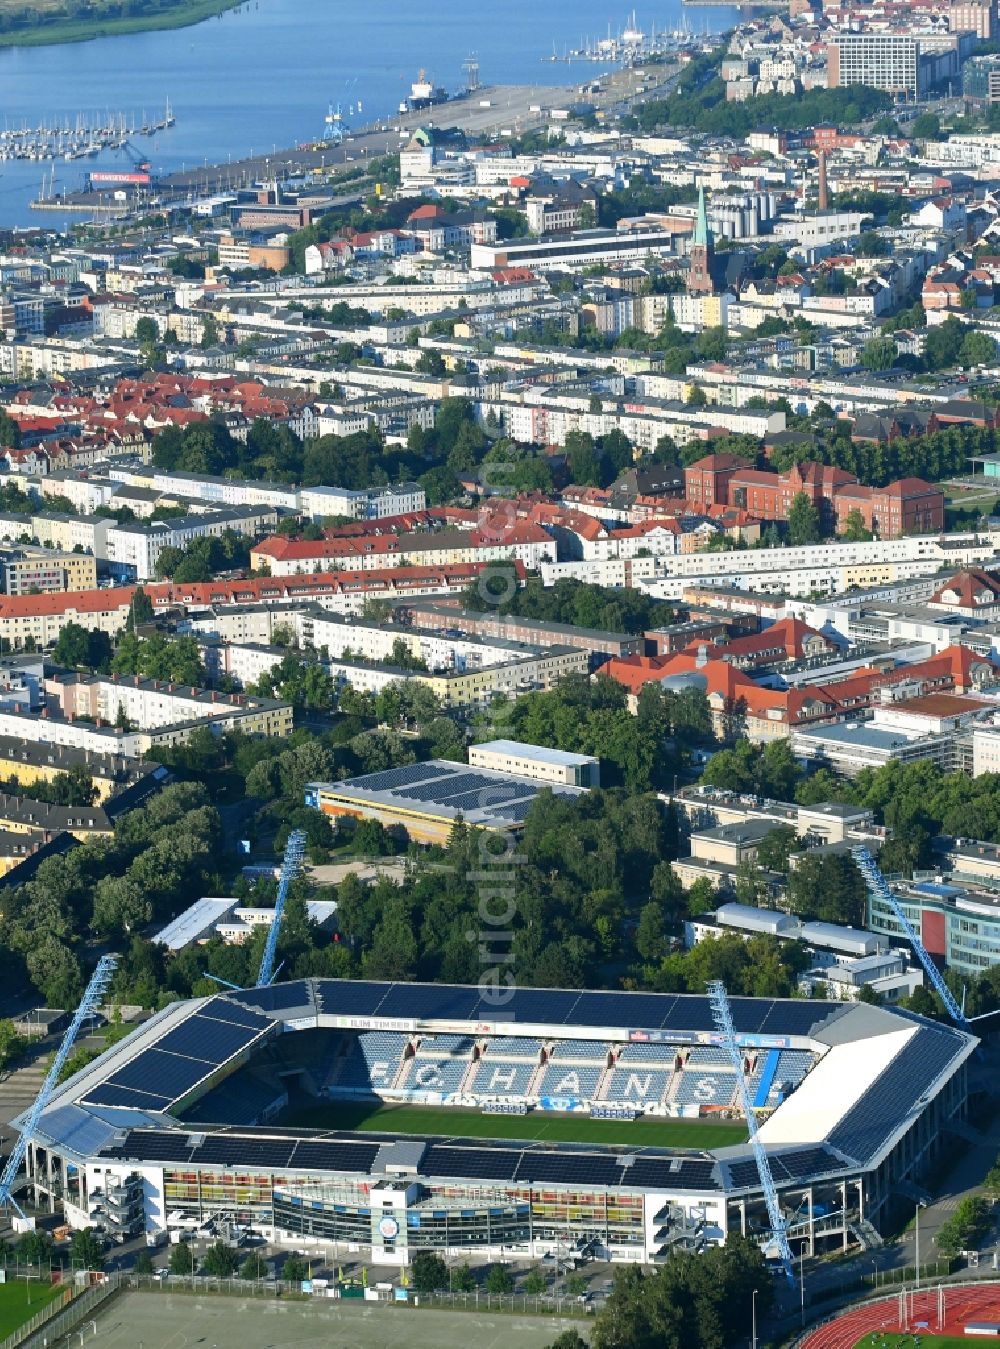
column 263, row 76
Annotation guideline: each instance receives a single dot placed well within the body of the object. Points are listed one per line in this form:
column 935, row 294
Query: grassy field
column 880, row 1341
column 49, row 28
column 539, row 1125
column 19, row 1303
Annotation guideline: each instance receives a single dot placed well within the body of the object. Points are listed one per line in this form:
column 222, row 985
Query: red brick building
column 910, row 506
column 706, row 483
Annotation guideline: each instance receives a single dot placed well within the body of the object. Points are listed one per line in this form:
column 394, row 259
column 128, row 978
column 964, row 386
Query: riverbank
column 45, row 33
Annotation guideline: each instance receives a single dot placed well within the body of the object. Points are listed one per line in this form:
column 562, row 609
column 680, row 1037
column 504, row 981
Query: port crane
column 723, row 1017
column 878, row 888
column 94, row 992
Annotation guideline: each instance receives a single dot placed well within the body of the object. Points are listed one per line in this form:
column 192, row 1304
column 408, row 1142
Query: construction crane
column 723, row 1018
column 92, row 996
column 291, row 862
column 878, row 888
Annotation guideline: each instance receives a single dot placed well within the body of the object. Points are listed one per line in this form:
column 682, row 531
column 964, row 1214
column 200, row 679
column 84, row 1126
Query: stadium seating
column 437, row 1046
column 700, row 1087
column 663, row 1055
column 502, row 1077
column 515, row 1047
column 568, row 1079
column 428, row 1074
column 582, row 1051
column 793, row 1064
column 372, row 1060
column 637, row 1086
column 709, row 1056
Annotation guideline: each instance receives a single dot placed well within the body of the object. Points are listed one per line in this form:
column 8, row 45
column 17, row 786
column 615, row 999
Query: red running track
column 960, row 1305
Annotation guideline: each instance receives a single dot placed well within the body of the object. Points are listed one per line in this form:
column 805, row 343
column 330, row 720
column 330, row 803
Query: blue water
column 262, row 77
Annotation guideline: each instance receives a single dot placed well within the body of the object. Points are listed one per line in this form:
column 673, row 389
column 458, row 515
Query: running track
column 961, row 1305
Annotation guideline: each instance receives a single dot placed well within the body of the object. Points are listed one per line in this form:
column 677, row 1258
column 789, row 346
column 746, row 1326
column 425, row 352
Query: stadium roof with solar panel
column 407, row 1117
column 426, row 799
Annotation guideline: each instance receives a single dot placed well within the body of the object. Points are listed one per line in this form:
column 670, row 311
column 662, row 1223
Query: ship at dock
column 423, row 94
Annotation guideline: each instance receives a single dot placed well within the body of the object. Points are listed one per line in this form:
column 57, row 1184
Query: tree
column 830, row 887
column 711, row 343
column 181, row 1259
column 775, row 848
column 498, row 1280
column 294, row 1269
column 536, row 1282
column 86, row 1250
column 429, row 1272
column 879, row 353
column 463, row 1280
column 254, row 1267
column 569, row 1339
column 146, row 331
column 221, row 1261
column 144, row 1263
column 966, row 1228
column 855, row 529
column 696, row 396
column 142, row 607
column 926, row 127
column 977, row 349
column 803, row 521
column 35, row 1248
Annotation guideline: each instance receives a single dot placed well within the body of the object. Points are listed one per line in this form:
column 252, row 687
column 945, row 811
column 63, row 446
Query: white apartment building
column 535, row 761
column 135, row 549
column 373, row 503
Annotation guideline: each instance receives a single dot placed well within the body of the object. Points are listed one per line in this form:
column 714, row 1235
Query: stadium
column 394, row 1118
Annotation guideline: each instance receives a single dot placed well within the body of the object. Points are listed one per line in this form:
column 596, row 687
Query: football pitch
column 538, row 1125
column 19, row 1302
column 922, row 1337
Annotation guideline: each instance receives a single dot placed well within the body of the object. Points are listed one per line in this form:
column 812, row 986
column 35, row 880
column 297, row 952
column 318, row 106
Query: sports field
column 538, row 1125
column 19, row 1303
column 921, row 1337
column 176, row 1321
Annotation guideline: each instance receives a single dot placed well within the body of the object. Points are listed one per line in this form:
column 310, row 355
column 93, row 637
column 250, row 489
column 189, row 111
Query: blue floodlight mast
column 723, row 1019
column 294, row 852
column 878, row 888
column 92, row 996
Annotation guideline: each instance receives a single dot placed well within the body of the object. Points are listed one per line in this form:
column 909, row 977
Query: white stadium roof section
column 832, row 1088
column 196, row 922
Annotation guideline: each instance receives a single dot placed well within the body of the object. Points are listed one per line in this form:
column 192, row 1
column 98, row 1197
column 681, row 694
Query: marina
column 241, row 90
column 83, row 137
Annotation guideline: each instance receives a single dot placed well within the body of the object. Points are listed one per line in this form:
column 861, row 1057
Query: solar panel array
column 245, row 1149
column 535, row 1164
column 456, row 787
column 786, row 1167
column 171, row 1067
column 678, row 1013
column 894, row 1094
column 393, row 778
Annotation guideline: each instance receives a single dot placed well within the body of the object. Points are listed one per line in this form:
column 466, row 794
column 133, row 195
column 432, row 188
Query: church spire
column 701, row 225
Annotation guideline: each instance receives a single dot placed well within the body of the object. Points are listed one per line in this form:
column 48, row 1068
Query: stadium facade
column 182, row 1123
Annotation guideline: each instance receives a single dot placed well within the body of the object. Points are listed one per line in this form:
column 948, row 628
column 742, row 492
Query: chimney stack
column 824, row 194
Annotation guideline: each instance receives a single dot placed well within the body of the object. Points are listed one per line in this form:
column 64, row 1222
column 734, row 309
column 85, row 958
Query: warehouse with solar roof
column 192, row 1120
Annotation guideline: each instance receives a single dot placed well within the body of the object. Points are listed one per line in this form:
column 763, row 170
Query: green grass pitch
column 19, row 1303
column 922, row 1337
column 538, row 1125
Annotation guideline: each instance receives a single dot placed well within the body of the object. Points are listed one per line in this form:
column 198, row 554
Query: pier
column 489, row 111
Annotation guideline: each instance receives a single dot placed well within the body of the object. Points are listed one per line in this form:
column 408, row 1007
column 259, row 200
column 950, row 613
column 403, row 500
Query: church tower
column 700, row 276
